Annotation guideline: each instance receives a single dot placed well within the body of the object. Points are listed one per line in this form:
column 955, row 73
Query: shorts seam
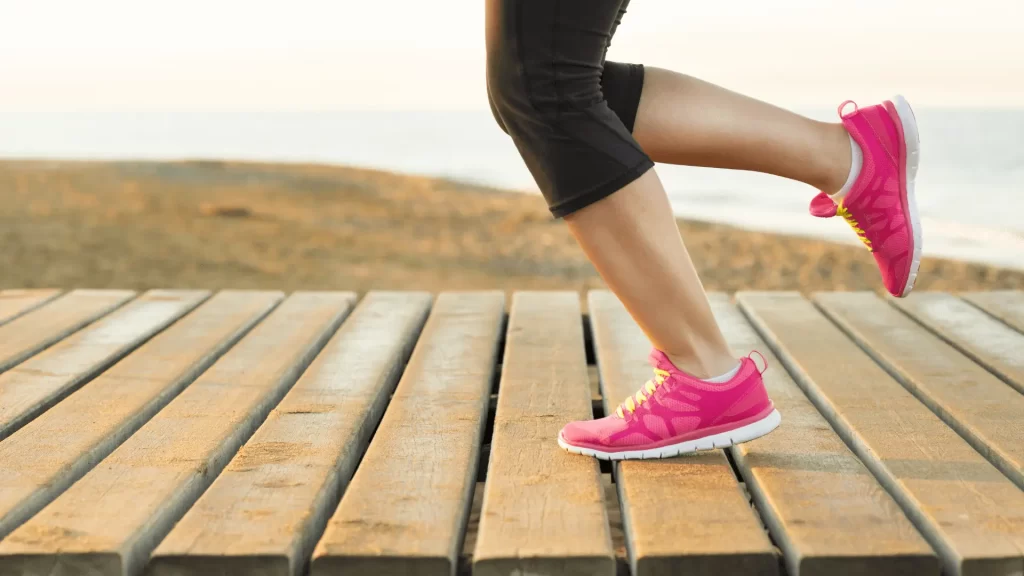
column 631, row 142
column 524, row 78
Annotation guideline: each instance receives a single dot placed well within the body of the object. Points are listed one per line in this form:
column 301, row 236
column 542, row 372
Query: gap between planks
column 57, row 448
column 39, row 329
column 165, row 466
column 826, row 511
column 967, row 510
column 543, row 509
column 267, row 509
column 14, row 303
column 983, row 409
column 714, row 528
column 32, row 387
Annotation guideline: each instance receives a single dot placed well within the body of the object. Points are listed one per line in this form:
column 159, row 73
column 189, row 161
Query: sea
column 970, row 185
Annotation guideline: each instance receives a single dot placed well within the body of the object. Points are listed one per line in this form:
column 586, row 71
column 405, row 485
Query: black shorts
column 569, row 112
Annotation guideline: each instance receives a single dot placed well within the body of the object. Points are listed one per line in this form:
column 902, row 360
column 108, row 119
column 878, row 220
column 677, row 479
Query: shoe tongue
column 823, row 206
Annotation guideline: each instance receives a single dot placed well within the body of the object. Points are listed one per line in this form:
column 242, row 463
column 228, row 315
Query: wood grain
column 970, row 513
column 109, row 521
column 35, row 385
column 543, row 510
column 265, row 512
column 40, row 328
column 984, row 339
column 683, row 515
column 980, row 407
column 824, row 508
column 59, row 447
column 14, row 303
column 406, row 510
column 1007, row 305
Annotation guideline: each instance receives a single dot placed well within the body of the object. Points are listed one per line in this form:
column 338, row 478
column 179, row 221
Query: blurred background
column 348, row 144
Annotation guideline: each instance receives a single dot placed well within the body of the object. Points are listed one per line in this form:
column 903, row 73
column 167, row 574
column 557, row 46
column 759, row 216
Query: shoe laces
column 842, row 211
column 629, row 405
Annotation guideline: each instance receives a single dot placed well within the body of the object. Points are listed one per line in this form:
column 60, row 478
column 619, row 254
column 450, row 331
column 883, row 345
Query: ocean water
column 970, row 186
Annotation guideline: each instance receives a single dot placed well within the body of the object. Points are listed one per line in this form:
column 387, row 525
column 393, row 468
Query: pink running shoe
column 881, row 208
column 675, row 413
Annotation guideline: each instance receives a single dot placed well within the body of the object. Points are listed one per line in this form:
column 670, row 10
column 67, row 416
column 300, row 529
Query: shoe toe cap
column 578, row 433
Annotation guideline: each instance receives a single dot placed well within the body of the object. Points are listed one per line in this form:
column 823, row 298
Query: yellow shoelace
column 842, row 211
column 650, row 387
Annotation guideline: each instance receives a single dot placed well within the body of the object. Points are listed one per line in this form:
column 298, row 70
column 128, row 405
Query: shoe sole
column 740, row 435
column 911, row 157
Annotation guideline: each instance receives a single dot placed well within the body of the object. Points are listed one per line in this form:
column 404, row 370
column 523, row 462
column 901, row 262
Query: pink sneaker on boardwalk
column 880, row 207
column 675, row 414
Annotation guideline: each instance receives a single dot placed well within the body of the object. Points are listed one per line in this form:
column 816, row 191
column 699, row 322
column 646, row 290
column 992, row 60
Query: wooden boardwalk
column 242, row 432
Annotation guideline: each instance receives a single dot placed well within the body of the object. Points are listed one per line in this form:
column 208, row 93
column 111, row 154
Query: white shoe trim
column 720, row 440
column 913, row 142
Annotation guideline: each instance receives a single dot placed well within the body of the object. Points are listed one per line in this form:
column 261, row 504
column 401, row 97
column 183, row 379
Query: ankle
column 835, row 157
column 704, row 366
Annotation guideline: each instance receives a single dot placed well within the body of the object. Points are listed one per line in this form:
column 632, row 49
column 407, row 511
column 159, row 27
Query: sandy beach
column 290, row 227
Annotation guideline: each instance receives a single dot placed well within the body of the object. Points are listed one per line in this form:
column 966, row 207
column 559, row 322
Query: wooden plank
column 264, row 513
column 109, row 521
column 14, row 303
column 35, row 385
column 984, row 410
column 984, row 339
column 543, row 510
column 695, row 498
column 970, row 513
column 406, row 509
column 824, row 509
column 36, row 330
column 1007, row 305
column 59, row 447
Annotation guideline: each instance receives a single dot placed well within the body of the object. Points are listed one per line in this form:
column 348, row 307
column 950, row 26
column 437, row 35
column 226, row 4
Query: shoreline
column 970, row 155
column 292, row 226
column 987, row 246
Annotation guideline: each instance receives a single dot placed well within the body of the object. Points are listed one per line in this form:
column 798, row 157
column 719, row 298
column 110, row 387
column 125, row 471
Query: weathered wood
column 264, row 513
column 681, row 515
column 984, row 339
column 35, row 385
column 1007, row 305
column 40, row 328
column 109, row 521
column 543, row 510
column 824, row 509
column 984, row 410
column 969, row 512
column 406, row 509
column 14, row 303
column 50, row 453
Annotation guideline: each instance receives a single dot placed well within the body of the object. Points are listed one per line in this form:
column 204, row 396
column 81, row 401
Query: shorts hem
column 566, row 207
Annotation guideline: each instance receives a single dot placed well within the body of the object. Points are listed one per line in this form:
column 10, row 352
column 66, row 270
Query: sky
column 113, row 55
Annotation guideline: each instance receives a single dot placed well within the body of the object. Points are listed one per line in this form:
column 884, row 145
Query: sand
column 244, row 225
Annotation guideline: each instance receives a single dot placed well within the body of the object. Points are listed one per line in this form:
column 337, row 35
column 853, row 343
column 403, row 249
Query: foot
column 675, row 413
column 880, row 207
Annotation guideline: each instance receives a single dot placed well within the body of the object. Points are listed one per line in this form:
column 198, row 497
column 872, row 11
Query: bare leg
column 632, row 237
column 684, row 120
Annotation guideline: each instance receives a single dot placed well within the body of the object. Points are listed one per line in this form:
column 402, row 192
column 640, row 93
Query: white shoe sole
column 913, row 142
column 721, row 440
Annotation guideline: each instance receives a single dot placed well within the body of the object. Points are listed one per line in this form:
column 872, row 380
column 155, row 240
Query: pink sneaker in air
column 880, row 207
column 675, row 413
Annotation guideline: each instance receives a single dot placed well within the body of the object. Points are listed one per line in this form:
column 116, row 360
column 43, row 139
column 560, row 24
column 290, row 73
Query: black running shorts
column 568, row 110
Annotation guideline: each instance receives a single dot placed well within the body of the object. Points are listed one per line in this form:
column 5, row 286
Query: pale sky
column 66, row 55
